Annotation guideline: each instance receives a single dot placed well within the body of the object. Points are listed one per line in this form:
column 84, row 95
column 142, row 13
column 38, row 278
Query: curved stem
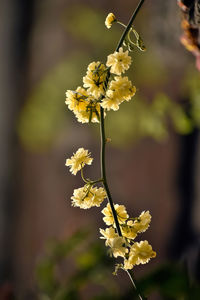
column 82, row 176
column 104, row 180
column 103, row 145
column 103, row 171
column 120, row 23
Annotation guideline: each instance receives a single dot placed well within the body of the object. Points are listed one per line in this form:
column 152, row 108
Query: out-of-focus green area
column 91, row 277
column 91, row 268
column 149, row 113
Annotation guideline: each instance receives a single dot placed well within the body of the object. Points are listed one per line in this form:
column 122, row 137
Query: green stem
column 88, row 181
column 103, row 145
column 129, row 25
column 133, row 283
column 120, row 23
column 103, row 171
column 82, row 176
column 96, row 181
column 104, row 180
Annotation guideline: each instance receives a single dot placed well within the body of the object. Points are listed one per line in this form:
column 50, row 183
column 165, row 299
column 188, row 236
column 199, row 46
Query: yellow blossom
column 78, row 160
column 140, row 253
column 111, row 101
column 123, row 88
column 83, row 105
column 129, row 263
column 86, row 197
column 119, row 90
column 95, row 79
column 119, row 61
column 91, row 113
column 76, row 100
column 142, row 222
column 117, row 246
column 128, row 231
column 110, row 19
column 107, row 234
column 120, row 211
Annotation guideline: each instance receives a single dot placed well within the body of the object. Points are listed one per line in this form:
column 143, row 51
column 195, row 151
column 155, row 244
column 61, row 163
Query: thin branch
column 133, row 283
column 103, row 145
column 103, row 172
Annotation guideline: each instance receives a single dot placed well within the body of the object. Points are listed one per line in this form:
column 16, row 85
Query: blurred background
column 49, row 250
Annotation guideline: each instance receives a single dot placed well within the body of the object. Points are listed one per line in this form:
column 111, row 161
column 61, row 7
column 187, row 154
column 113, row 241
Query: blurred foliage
column 139, row 119
column 79, row 268
column 80, row 19
column 89, row 262
column 171, row 282
column 149, row 113
column 191, row 87
column 44, row 113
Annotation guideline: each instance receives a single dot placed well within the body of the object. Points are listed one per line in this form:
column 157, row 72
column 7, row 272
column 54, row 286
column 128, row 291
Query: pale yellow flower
column 107, row 234
column 91, row 113
column 117, row 246
column 119, row 61
column 110, row 19
column 128, row 232
column 111, row 101
column 119, row 90
column 142, row 222
column 114, row 241
column 83, row 105
column 98, row 195
column 76, row 100
column 86, row 197
column 130, row 263
column 140, row 253
column 123, row 88
column 78, row 160
column 95, row 79
column 120, row 211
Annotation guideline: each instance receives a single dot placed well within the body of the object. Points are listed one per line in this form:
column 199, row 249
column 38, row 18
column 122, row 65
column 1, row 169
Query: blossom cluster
column 134, row 253
column 124, row 245
column 103, row 85
column 89, row 195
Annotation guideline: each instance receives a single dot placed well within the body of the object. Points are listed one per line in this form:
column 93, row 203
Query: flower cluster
column 134, row 253
column 103, row 86
column 88, row 195
column 84, row 105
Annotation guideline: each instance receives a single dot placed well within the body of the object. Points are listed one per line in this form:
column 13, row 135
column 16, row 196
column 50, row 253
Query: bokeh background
column 152, row 161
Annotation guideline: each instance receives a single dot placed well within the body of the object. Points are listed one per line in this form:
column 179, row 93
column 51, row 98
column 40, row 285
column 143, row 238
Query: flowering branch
column 104, row 88
column 102, row 127
column 103, row 142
